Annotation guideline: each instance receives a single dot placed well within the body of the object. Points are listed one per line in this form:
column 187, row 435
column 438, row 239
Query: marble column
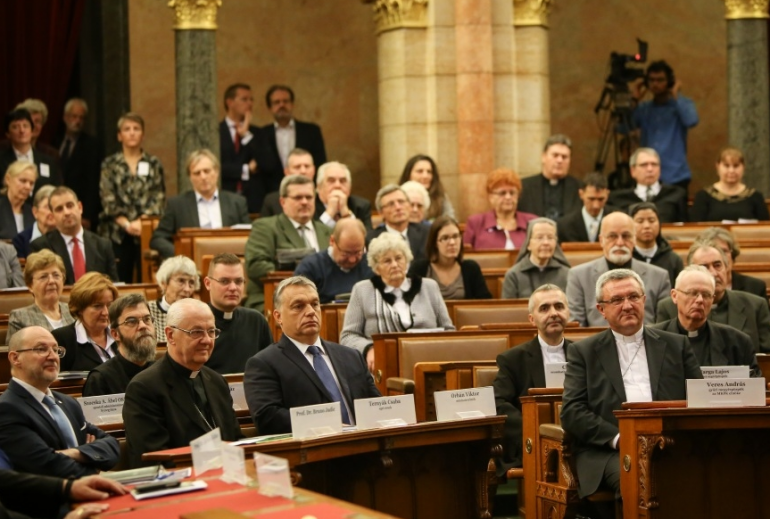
column 747, row 88
column 196, row 80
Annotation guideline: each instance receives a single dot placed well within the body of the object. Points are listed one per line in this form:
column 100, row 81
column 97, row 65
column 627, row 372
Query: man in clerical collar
column 131, row 325
column 714, row 344
column 617, row 238
column 244, row 330
column 178, row 398
column 626, row 363
column 393, row 204
column 523, row 367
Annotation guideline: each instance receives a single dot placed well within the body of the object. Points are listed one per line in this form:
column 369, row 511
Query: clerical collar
column 181, row 370
column 694, row 333
column 220, row 314
column 613, row 266
column 635, row 338
column 552, row 181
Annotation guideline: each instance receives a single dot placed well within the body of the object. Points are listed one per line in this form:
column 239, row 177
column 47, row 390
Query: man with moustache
column 244, row 330
column 131, row 325
column 523, row 367
column 740, row 310
column 714, row 344
column 299, row 162
column 45, row 432
column 393, row 204
column 178, row 398
column 617, row 237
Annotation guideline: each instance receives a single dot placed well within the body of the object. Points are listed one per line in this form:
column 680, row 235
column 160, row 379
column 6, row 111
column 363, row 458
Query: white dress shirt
column 69, row 240
column 632, row 355
column 400, row 306
column 641, row 191
column 209, row 211
column 285, row 140
column 592, row 224
column 308, row 233
column 29, row 156
column 82, row 337
column 244, row 141
column 552, row 354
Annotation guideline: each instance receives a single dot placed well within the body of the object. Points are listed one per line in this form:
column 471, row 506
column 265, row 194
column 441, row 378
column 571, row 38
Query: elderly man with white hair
column 178, row 278
column 393, row 204
column 334, row 201
column 419, row 200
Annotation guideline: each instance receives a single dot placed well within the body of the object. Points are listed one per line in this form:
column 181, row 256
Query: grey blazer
column 10, row 270
column 32, row 315
column 581, row 290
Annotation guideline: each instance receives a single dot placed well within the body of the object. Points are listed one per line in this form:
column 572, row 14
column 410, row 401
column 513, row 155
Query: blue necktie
column 325, row 374
column 62, row 422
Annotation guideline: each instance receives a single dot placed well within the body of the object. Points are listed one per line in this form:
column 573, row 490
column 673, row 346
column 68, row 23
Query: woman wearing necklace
column 729, row 198
column 178, row 279
column 391, row 301
column 131, row 186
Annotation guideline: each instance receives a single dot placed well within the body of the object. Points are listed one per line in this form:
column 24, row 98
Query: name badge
column 726, row 392
column 386, row 411
column 45, row 170
column 725, row 371
column 461, row 404
column 554, row 374
column 239, row 396
column 102, row 409
column 311, row 421
column 143, row 169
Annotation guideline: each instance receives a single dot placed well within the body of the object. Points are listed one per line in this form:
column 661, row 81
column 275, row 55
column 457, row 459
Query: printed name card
column 554, row 374
column 239, row 397
column 725, row 371
column 315, row 420
column 233, row 464
column 273, row 476
column 386, row 411
column 726, row 392
column 207, row 452
column 460, row 404
column 102, row 409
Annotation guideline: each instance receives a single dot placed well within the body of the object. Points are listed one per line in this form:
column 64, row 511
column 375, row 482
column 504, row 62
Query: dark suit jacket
column 593, row 389
column 80, row 356
column 519, row 369
column 8, row 223
column 571, row 227
column 232, row 165
column 417, row 234
column 728, row 347
column 99, row 254
column 54, row 178
column 308, row 137
column 21, row 242
column 749, row 284
column 29, row 436
column 159, row 411
column 182, row 211
column 280, row 377
column 531, row 199
column 360, row 207
column 671, row 202
column 16, row 489
column 745, row 312
column 82, row 171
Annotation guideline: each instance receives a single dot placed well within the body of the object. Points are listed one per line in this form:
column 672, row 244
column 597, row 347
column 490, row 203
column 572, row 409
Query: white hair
column 412, row 186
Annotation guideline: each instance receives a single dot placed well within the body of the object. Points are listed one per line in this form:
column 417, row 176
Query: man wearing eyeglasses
column 45, row 432
column 335, row 270
column 244, row 330
column 178, row 398
column 629, row 362
column 714, row 344
column 737, row 309
column 393, row 204
column 617, row 238
column 288, row 235
column 132, row 327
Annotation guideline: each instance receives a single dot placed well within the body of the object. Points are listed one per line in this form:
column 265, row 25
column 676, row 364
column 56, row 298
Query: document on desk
column 462, row 404
column 385, row 411
column 726, row 392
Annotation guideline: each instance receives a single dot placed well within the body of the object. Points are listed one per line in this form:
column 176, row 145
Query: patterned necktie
column 325, row 374
column 78, row 261
column 64, row 425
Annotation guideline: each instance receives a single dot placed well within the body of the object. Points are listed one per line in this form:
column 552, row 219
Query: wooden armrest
column 404, row 385
column 515, row 474
column 552, row 431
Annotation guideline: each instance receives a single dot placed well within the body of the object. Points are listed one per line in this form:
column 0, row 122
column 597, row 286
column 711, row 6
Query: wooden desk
column 679, row 462
column 436, row 469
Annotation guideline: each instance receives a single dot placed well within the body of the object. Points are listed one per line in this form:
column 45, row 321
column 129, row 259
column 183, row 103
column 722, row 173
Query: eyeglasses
column 626, row 236
column 510, row 192
column 449, row 237
column 394, row 203
column 184, row 281
column 133, row 322
column 227, row 281
column 301, row 198
column 44, row 351
column 351, row 254
column 198, row 334
column 617, row 301
column 695, row 293
column 56, row 276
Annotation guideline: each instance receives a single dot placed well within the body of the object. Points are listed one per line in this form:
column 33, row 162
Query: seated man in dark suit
column 334, row 200
column 671, row 201
column 740, row 310
column 393, row 204
column 18, row 128
column 553, row 193
column 72, row 242
column 626, row 363
column 301, row 369
column 299, row 162
column 178, row 398
column 44, row 222
column 203, row 206
column 132, row 328
column 523, row 367
column 714, row 344
column 584, row 224
column 41, row 431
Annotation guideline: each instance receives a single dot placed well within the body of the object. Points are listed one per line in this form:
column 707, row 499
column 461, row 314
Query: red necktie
column 237, row 141
column 78, row 261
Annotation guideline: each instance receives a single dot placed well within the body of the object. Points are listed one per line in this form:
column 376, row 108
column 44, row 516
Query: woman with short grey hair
column 177, row 278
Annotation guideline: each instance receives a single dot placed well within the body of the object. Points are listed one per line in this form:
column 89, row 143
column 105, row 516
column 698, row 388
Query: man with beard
column 131, row 326
column 523, row 367
column 617, row 240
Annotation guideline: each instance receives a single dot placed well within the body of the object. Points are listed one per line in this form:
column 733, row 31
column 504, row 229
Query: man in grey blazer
column 740, row 310
column 203, row 206
column 269, row 236
column 617, row 239
column 626, row 363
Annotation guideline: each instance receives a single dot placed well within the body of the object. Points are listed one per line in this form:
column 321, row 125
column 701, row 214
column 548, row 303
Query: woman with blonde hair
column 15, row 203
